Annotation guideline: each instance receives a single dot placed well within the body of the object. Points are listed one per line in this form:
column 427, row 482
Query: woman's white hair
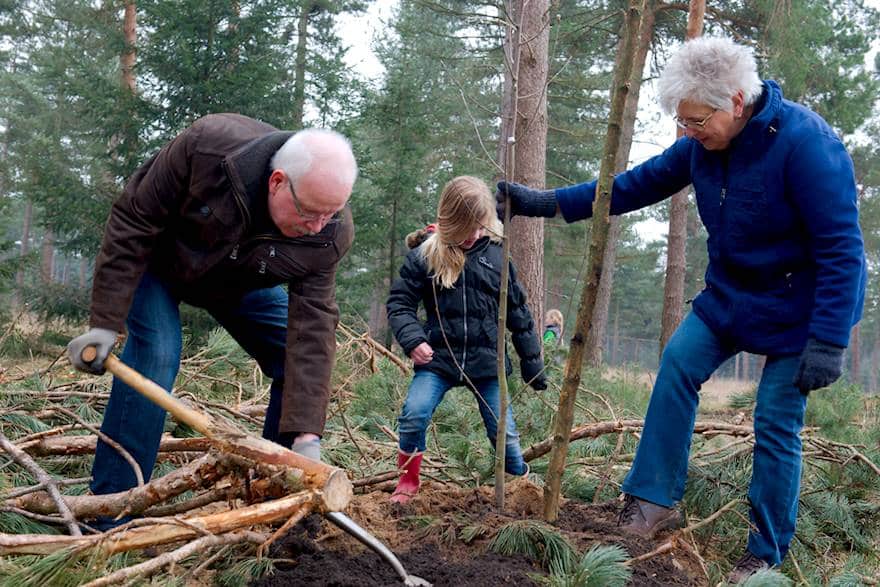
column 709, row 70
column 299, row 153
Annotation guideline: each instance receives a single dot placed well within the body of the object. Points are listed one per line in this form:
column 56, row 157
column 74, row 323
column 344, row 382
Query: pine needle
column 12, row 523
column 767, row 578
column 58, row 569
column 535, row 540
column 601, row 566
column 245, row 572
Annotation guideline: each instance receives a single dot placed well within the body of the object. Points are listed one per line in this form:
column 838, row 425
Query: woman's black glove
column 524, row 201
column 821, row 365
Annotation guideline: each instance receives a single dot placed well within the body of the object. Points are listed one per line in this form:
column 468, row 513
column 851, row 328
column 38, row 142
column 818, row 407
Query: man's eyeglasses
column 685, row 123
column 304, row 216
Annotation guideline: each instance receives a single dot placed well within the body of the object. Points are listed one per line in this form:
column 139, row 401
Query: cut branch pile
column 230, row 487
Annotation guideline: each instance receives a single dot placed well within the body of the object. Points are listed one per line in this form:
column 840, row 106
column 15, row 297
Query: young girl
column 456, row 274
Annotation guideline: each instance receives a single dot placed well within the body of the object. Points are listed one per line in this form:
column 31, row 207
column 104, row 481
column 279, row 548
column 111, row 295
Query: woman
column 775, row 189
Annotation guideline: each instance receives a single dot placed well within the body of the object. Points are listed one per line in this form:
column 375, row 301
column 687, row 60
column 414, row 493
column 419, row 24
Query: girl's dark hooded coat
column 462, row 321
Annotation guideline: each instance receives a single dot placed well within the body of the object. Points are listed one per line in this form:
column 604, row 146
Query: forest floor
column 426, row 536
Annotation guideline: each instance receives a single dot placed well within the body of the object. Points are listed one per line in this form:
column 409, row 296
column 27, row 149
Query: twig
column 154, row 565
column 43, row 478
column 39, row 487
column 135, row 467
column 677, row 536
column 290, row 523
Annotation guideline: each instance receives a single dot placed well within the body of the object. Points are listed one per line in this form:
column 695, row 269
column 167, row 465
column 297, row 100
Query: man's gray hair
column 709, row 70
column 329, row 149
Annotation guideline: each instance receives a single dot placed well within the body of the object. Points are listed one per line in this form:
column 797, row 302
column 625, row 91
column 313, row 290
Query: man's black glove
column 821, row 365
column 100, row 338
column 533, row 374
column 524, row 201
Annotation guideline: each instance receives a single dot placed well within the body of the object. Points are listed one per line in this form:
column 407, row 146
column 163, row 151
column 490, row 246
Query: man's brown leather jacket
column 196, row 215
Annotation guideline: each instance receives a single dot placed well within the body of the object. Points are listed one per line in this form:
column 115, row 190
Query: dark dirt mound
column 427, row 537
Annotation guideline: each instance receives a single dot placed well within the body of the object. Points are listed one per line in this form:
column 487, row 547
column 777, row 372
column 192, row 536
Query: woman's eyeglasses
column 685, row 123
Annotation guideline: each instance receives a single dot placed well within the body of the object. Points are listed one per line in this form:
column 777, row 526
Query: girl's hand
column 422, row 354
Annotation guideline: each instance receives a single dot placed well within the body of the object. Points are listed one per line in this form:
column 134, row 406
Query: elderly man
column 219, row 218
column 776, row 191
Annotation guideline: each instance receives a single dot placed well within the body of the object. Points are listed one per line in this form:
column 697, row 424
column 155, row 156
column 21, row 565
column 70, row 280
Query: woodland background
column 89, row 89
column 85, row 100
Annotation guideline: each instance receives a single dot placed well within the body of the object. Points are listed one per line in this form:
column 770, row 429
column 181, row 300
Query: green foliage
column 767, row 578
column 834, row 409
column 744, row 400
column 535, row 540
column 12, row 523
column 245, row 572
column 601, row 566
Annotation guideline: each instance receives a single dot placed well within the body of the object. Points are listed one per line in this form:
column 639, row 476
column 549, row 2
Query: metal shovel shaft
column 347, row 524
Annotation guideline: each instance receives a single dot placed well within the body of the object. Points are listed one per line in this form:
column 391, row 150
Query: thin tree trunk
column 673, row 289
column 83, row 272
column 299, row 89
column 598, row 240
column 596, row 337
column 392, row 249
column 874, row 367
column 26, row 223
column 531, row 144
column 129, row 52
column 47, row 257
column 855, row 341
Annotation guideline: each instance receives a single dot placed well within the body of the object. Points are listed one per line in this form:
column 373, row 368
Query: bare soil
column 426, row 537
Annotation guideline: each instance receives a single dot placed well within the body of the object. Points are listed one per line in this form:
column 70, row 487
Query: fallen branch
column 164, row 533
column 601, row 428
column 192, row 476
column 23, row 459
column 126, row 456
column 154, row 565
column 404, row 368
column 80, row 445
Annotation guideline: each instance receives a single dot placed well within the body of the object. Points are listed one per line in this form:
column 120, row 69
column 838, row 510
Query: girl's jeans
column 426, row 392
column 258, row 321
column 659, row 471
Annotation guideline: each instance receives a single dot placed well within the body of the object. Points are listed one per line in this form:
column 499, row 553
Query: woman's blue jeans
column 659, row 471
column 258, row 321
column 426, row 392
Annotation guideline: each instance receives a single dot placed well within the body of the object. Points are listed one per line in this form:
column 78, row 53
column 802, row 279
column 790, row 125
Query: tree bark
column 25, row 247
column 299, row 89
column 527, row 249
column 676, row 245
column 855, row 341
column 47, row 257
column 127, row 58
column 596, row 337
column 598, row 240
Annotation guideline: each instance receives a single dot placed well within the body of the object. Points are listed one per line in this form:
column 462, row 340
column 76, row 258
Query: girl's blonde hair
column 554, row 317
column 465, row 203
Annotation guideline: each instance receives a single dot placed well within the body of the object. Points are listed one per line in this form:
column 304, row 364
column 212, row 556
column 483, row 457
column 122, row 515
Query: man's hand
column 821, row 365
column 100, row 338
column 308, row 445
column 422, row 354
column 524, row 201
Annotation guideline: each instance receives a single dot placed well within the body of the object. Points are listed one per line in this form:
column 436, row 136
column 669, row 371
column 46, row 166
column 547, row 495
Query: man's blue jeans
column 426, row 392
column 258, row 321
column 659, row 471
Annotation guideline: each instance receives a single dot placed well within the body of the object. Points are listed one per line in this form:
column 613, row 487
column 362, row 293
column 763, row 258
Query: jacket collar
column 765, row 117
column 248, row 167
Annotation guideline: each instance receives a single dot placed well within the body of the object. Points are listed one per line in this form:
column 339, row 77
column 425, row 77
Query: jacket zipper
column 245, row 213
column 464, row 296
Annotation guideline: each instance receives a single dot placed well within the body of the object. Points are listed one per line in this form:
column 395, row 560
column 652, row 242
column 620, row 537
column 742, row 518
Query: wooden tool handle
column 333, row 482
